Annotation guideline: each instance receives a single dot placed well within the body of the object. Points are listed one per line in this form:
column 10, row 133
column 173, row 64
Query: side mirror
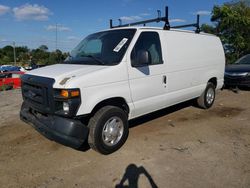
column 141, row 59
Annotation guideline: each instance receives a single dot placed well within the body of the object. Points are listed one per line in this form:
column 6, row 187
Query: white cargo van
column 119, row 74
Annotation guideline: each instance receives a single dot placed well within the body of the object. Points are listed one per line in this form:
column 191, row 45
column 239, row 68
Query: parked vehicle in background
column 119, row 74
column 10, row 80
column 33, row 66
column 11, row 68
column 238, row 74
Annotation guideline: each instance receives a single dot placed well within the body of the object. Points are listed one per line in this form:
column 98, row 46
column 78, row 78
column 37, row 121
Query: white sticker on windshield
column 120, row 45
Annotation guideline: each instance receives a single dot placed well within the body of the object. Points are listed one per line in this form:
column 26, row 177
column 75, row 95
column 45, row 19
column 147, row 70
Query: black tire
column 99, row 122
column 204, row 101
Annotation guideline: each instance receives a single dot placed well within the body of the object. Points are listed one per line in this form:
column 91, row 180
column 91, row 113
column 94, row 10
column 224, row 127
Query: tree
column 208, row 29
column 40, row 56
column 22, row 53
column 56, row 57
column 232, row 25
column 43, row 48
column 7, row 55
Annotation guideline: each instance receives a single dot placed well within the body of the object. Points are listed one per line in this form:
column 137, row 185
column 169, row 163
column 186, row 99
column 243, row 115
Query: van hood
column 64, row 72
column 82, row 76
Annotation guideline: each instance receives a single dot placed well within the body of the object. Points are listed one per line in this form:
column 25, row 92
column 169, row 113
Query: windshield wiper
column 96, row 59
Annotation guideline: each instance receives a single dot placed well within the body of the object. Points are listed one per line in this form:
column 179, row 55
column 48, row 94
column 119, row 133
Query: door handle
column 164, row 79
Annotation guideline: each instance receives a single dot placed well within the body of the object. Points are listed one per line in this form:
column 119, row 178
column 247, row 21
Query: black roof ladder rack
column 159, row 19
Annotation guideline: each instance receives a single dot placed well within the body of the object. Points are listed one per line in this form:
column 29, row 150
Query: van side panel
column 192, row 59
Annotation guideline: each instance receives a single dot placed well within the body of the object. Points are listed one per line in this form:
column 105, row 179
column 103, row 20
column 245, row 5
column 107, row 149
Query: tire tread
column 201, row 100
column 93, row 123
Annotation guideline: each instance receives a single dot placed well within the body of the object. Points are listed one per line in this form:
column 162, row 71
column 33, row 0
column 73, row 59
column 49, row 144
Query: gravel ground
column 181, row 146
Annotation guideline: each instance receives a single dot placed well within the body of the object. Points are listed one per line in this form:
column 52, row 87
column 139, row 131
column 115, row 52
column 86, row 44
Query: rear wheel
column 206, row 100
column 108, row 129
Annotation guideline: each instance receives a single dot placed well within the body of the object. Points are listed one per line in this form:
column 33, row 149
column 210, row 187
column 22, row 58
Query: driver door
column 148, row 83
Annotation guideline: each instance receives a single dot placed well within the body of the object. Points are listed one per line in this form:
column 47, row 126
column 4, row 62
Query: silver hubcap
column 210, row 96
column 112, row 131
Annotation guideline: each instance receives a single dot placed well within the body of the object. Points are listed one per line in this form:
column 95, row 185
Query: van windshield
column 103, row 48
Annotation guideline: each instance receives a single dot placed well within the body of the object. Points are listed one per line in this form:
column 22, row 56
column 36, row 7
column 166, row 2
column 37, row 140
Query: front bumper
column 68, row 132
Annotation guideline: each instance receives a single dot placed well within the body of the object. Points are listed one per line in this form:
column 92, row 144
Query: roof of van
column 160, row 28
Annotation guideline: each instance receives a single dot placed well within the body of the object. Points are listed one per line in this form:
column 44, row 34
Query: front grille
column 38, row 93
column 34, row 93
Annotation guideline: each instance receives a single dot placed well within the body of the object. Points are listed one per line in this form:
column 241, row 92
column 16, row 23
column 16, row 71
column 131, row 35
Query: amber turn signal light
column 74, row 93
column 69, row 93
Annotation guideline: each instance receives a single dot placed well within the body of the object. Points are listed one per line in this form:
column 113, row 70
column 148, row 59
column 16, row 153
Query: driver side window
column 150, row 42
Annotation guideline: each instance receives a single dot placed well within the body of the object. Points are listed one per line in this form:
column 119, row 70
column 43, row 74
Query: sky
column 33, row 22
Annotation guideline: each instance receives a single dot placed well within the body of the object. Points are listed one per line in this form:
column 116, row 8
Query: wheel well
column 116, row 101
column 213, row 81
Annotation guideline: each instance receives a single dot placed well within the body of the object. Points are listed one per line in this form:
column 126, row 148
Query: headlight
column 67, row 101
column 66, row 106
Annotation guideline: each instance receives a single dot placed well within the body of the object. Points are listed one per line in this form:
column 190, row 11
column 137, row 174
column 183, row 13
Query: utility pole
column 56, row 36
column 14, row 52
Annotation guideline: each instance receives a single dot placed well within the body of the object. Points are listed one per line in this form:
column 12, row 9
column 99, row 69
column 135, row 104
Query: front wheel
column 206, row 100
column 108, row 130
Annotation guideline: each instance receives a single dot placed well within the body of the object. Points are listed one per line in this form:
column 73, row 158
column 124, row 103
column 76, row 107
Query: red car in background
column 10, row 80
